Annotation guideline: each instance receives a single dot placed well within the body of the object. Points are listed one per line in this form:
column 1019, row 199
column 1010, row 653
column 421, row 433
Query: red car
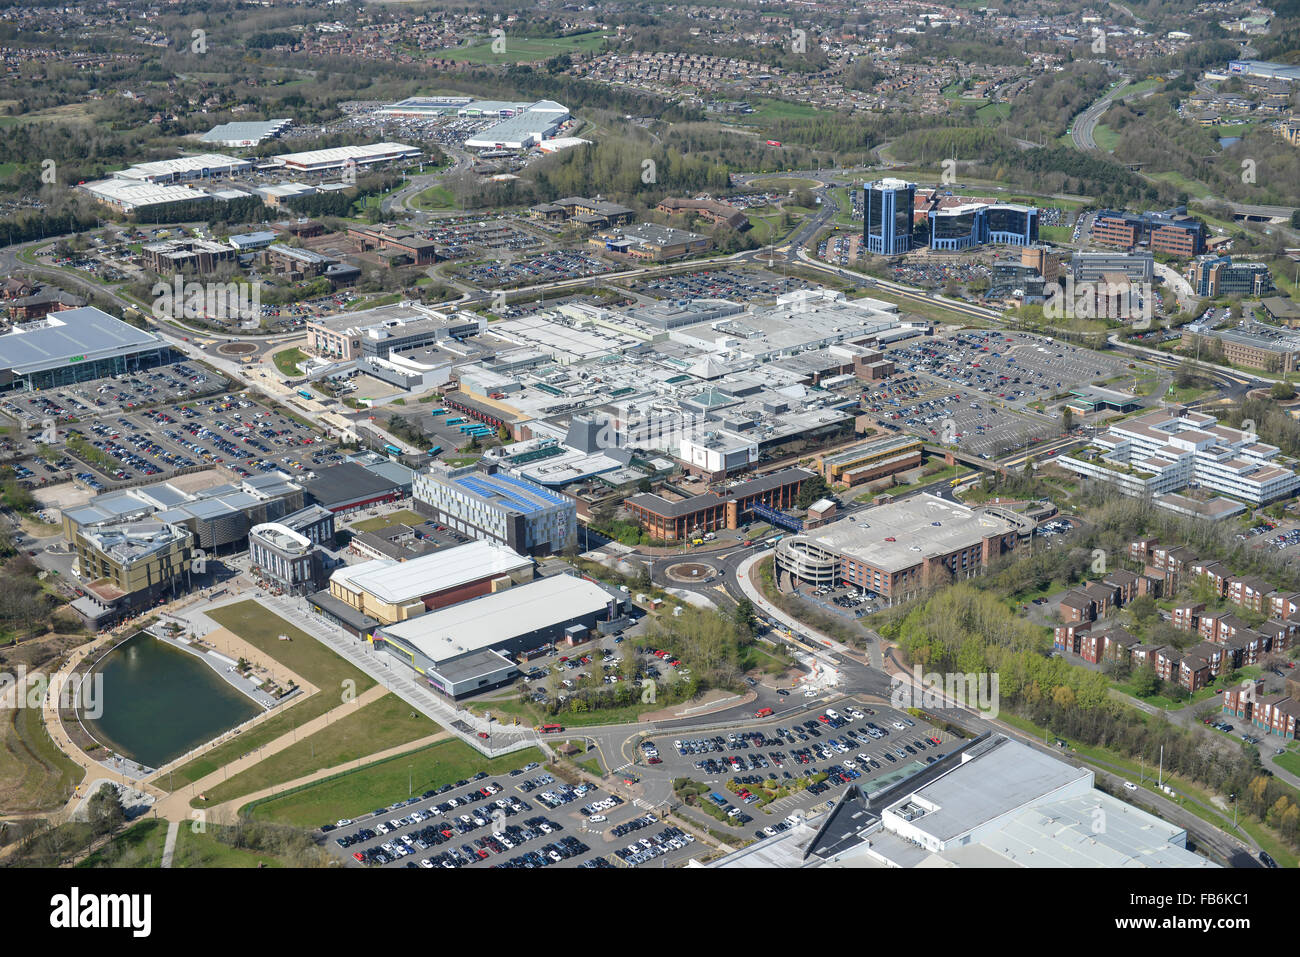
column 359, row 856
column 483, row 735
column 823, row 719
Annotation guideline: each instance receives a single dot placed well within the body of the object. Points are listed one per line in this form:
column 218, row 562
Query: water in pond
column 159, row 702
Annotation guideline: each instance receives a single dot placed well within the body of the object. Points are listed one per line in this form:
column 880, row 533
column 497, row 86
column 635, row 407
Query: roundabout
column 236, row 349
column 690, row 573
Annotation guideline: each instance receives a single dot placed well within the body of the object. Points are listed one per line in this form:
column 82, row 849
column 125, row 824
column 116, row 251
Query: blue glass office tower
column 887, row 216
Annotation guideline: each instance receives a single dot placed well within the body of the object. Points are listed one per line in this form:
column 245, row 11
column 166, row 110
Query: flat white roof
column 212, row 162
column 375, row 152
column 130, row 192
column 397, row 582
column 496, row 619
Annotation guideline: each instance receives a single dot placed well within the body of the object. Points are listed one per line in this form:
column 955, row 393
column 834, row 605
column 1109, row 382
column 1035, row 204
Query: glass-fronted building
column 887, row 216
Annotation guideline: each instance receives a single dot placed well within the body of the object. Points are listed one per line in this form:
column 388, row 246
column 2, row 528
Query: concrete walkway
column 169, row 846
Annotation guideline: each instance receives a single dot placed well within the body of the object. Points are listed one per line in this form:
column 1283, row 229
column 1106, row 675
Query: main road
column 1085, row 124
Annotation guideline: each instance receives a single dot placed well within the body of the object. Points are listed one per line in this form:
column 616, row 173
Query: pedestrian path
column 169, row 846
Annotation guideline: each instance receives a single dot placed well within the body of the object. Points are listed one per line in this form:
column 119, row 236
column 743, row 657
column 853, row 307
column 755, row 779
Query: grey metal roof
column 84, row 334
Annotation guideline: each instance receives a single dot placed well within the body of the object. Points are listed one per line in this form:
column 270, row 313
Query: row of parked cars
column 648, row 848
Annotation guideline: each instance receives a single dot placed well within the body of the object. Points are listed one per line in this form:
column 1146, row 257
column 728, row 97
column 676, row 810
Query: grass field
column 1056, row 234
column 34, row 774
column 435, row 197
column 1106, row 138
column 783, row 182
column 529, row 714
column 993, row 113
column 286, row 360
column 1288, row 761
column 404, row 517
column 522, row 49
column 355, row 793
column 374, row 727
column 768, row 109
column 205, row 849
column 304, row 655
column 140, row 845
column 1137, row 89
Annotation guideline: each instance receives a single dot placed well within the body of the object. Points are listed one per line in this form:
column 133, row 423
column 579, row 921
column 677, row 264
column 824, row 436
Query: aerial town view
column 734, row 434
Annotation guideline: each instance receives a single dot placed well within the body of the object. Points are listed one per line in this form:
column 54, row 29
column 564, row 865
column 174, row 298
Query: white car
column 1130, row 785
column 900, row 726
column 810, row 693
column 343, row 823
column 597, row 818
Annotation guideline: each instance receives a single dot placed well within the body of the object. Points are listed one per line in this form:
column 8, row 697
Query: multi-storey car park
column 898, row 549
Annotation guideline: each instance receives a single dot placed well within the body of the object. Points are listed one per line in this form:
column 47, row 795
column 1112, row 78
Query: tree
column 1067, row 420
column 744, row 616
column 105, row 811
column 1187, row 375
column 1145, row 681
column 1282, row 390
column 813, row 490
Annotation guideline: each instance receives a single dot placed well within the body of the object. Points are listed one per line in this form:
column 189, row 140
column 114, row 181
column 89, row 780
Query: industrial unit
column 463, row 649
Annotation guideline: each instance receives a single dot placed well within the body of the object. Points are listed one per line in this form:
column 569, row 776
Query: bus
column 304, row 393
column 453, row 422
column 549, row 728
column 437, row 411
column 435, row 450
column 392, row 449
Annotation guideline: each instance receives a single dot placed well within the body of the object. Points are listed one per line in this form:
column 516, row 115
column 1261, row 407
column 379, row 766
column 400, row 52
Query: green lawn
column 34, row 774
column 1288, row 761
column 374, row 727
column 1106, row 138
column 1137, row 89
column 304, row 655
column 766, row 109
column 993, row 113
column 521, row 49
column 354, row 793
column 1056, row 234
column 140, row 845
column 287, row 361
column 783, row 182
column 205, row 849
column 404, row 517
column 530, row 714
column 435, row 197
